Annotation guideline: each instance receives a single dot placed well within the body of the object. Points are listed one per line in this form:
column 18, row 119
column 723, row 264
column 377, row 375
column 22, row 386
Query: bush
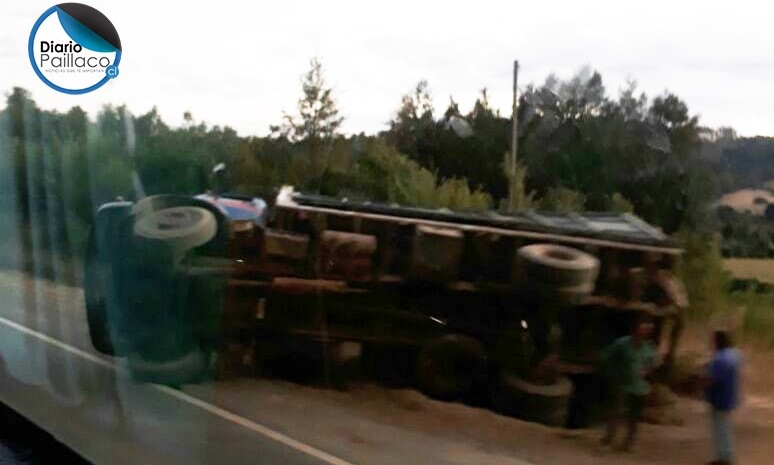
column 383, row 174
column 619, row 203
column 562, row 200
column 455, row 194
column 701, row 270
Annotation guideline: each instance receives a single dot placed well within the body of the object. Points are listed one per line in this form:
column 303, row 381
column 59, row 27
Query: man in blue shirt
column 723, row 395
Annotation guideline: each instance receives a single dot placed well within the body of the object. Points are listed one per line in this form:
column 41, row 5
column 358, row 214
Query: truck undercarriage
column 188, row 288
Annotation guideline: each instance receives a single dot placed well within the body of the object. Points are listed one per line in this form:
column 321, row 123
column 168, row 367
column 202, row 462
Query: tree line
column 581, row 148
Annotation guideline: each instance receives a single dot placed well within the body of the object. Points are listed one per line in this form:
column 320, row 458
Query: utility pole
column 511, row 163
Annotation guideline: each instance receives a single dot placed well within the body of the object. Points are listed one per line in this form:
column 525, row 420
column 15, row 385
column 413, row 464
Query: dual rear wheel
column 139, row 304
column 450, row 367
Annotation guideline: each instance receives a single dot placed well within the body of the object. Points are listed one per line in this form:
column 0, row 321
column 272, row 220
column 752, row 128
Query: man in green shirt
column 627, row 363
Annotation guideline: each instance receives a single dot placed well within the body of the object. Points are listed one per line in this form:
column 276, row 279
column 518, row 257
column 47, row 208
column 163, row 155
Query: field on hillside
column 761, row 269
column 751, row 200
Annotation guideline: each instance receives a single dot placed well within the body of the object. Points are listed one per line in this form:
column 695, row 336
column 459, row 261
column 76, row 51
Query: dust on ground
column 377, row 421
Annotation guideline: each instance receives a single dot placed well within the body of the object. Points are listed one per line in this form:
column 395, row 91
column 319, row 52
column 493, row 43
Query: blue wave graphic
column 82, row 35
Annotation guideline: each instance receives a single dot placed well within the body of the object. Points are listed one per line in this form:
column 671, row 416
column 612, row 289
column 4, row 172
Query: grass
column 757, row 312
column 761, row 269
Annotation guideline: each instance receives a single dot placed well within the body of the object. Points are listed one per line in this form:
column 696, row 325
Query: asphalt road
column 50, row 375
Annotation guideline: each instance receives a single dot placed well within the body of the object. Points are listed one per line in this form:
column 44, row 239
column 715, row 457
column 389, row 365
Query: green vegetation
column 745, row 234
column 382, row 173
column 573, row 137
column 757, row 311
column 563, row 200
column 739, row 163
column 707, row 278
column 701, row 270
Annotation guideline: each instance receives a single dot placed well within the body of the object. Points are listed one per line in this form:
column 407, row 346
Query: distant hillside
column 742, row 162
column 753, row 201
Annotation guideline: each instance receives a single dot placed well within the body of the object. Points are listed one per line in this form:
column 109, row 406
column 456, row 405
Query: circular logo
column 74, row 48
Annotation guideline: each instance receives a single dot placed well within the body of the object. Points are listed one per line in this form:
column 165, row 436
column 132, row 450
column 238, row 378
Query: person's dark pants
column 626, row 408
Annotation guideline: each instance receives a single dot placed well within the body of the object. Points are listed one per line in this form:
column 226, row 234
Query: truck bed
column 623, row 228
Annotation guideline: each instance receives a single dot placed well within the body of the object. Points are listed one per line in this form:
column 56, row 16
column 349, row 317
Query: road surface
column 88, row 402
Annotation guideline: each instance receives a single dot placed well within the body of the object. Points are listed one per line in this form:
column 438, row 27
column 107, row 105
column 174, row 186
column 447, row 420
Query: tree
column 413, row 130
column 456, row 145
column 414, row 107
column 318, row 120
column 725, row 134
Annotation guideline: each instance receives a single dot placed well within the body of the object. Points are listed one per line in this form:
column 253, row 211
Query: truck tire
column 179, row 228
column 192, row 367
column 217, row 246
column 562, row 296
column 448, row 368
column 95, row 295
column 546, row 404
column 557, row 265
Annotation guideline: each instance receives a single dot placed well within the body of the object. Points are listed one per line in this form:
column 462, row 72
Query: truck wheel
column 546, row 404
column 558, row 265
column 95, row 289
column 195, row 366
column 447, row 368
column 179, row 228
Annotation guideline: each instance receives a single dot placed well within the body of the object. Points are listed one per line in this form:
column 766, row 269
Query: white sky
column 239, row 63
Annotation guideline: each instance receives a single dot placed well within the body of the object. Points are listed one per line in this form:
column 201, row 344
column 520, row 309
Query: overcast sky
column 239, row 63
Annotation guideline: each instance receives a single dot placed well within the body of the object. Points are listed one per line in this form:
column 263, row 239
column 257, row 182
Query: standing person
column 627, row 362
column 723, row 395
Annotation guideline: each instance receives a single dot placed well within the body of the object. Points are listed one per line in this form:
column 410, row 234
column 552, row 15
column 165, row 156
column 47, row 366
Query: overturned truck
column 515, row 308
